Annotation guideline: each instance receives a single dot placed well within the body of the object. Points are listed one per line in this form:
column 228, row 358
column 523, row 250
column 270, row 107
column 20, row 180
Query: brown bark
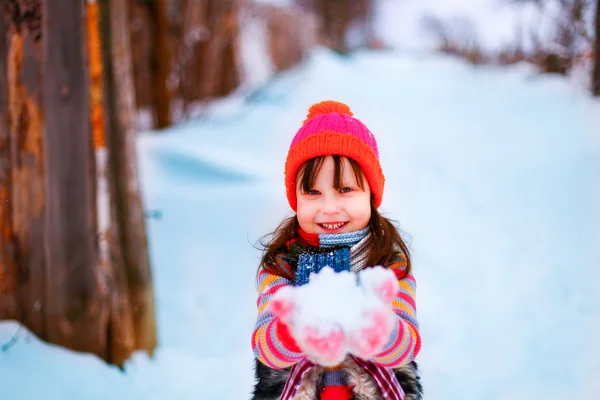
column 291, row 34
column 72, row 275
column 141, row 53
column 160, row 63
column 25, row 183
column 132, row 268
column 336, row 16
column 75, row 310
column 8, row 267
column 214, row 59
column 596, row 73
column 120, row 332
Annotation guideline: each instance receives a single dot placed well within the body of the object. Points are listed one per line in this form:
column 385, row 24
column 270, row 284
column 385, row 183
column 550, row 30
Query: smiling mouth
column 333, row 226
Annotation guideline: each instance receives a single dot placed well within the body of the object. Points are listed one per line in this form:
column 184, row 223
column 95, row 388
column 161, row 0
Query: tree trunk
column 74, row 264
column 184, row 50
column 596, row 73
column 120, row 332
column 141, row 53
column 129, row 238
column 76, row 313
column 8, row 267
column 161, row 63
column 337, row 17
column 23, row 218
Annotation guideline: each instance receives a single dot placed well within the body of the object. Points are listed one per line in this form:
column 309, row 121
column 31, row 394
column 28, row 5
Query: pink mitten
column 379, row 281
column 323, row 342
column 378, row 319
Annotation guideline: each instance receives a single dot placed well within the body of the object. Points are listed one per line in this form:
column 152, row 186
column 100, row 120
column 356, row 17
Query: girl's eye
column 346, row 190
column 313, row 192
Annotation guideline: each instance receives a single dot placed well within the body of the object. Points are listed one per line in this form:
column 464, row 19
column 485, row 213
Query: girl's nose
column 330, row 205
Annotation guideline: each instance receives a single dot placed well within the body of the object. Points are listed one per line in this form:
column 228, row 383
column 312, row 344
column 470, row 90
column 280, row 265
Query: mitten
column 322, row 340
column 312, row 313
column 378, row 319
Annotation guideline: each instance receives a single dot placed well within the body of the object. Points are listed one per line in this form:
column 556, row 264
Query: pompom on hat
column 331, row 129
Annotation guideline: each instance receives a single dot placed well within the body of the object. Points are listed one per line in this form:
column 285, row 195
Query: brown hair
column 385, row 242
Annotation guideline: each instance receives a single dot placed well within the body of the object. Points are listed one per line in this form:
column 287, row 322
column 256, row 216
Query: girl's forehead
column 345, row 172
column 327, row 169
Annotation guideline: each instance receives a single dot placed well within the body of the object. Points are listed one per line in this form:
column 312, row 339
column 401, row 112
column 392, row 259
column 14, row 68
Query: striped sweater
column 274, row 346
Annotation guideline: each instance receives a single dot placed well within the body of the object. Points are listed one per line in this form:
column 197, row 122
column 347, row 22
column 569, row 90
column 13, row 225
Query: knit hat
column 331, row 129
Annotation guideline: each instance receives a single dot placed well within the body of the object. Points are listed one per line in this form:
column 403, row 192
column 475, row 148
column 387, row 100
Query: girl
column 334, row 183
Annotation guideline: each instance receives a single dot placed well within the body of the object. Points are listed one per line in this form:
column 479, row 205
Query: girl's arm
column 272, row 342
column 405, row 342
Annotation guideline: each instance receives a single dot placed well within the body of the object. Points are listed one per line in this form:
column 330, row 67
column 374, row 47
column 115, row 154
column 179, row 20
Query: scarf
column 309, row 253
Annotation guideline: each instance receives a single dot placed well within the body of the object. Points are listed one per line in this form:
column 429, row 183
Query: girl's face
column 330, row 205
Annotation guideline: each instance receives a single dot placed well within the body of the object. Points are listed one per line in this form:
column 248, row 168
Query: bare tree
column 22, row 158
column 596, row 72
column 337, row 17
column 133, row 321
column 74, row 264
column 457, row 37
column 8, row 284
column 571, row 38
column 75, row 304
column 161, row 62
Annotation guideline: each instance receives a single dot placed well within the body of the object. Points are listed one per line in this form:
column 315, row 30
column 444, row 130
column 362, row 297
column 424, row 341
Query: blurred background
column 142, row 145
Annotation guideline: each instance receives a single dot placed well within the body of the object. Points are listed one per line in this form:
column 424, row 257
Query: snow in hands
column 339, row 313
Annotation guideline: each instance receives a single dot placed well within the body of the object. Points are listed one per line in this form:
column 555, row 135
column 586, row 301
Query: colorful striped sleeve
column 405, row 342
column 271, row 342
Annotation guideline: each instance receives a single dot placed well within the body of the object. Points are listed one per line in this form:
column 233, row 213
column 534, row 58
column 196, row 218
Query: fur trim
column 410, row 381
column 270, row 382
column 309, row 387
column 365, row 387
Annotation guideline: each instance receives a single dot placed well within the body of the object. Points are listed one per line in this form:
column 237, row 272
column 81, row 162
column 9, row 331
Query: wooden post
column 76, row 313
column 25, row 182
column 130, row 236
column 161, row 63
column 74, row 265
column 120, row 330
column 596, row 73
column 8, row 267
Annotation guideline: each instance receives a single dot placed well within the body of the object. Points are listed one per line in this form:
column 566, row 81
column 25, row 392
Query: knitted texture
column 278, row 351
column 334, row 377
column 331, row 129
column 309, row 263
column 334, row 252
column 327, row 240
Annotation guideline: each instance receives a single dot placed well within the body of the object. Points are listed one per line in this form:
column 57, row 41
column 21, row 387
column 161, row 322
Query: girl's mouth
column 333, row 226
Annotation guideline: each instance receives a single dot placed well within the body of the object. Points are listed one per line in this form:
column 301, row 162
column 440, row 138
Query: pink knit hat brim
column 334, row 143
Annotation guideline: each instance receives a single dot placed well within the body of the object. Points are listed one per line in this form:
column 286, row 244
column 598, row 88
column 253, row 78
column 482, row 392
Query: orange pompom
column 327, row 107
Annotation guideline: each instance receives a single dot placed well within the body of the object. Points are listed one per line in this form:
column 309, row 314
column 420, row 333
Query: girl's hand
column 378, row 319
column 323, row 342
column 370, row 339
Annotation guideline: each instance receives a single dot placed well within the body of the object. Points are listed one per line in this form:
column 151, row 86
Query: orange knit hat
column 331, row 129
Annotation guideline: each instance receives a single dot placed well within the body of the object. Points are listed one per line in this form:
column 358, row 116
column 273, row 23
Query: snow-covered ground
column 492, row 173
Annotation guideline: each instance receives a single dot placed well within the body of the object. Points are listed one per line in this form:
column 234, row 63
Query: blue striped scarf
column 333, row 251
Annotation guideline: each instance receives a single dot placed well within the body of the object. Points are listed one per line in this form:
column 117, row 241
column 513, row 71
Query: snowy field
column 492, row 173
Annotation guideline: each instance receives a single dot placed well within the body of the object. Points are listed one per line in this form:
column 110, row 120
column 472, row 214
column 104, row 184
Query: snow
column 492, row 174
column 331, row 299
